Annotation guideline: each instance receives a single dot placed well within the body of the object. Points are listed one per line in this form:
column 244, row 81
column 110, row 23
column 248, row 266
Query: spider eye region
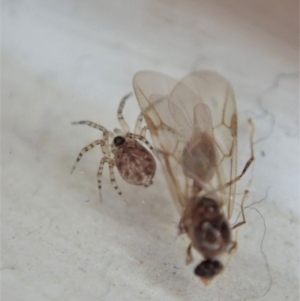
column 119, row 140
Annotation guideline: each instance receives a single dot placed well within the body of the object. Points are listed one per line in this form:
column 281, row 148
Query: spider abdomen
column 135, row 163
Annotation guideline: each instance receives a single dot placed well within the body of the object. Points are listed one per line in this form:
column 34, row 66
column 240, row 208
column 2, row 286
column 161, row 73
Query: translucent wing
column 199, row 111
column 217, row 93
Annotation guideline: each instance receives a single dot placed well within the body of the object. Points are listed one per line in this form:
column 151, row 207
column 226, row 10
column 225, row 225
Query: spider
column 135, row 163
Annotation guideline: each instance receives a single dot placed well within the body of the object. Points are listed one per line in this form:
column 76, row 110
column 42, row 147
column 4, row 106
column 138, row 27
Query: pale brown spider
column 133, row 160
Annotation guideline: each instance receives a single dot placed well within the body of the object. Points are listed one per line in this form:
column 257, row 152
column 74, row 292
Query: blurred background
column 65, row 61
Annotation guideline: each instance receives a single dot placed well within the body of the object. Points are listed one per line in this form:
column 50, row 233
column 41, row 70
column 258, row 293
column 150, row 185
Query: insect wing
column 217, row 93
column 178, row 112
column 153, row 91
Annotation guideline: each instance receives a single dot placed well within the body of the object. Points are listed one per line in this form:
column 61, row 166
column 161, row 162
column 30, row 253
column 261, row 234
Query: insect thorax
column 207, row 227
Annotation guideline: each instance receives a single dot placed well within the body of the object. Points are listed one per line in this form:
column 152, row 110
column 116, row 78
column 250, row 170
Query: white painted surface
column 64, row 61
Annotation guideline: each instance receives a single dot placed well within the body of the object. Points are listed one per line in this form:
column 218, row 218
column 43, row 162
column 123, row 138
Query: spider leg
column 99, row 174
column 111, row 164
column 138, row 124
column 86, row 149
column 141, row 138
column 121, row 119
column 144, row 130
column 99, row 127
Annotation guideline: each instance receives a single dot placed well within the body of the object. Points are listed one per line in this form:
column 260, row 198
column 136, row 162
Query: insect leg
column 86, row 149
column 123, row 123
column 249, row 162
column 189, row 256
column 242, row 211
column 181, row 227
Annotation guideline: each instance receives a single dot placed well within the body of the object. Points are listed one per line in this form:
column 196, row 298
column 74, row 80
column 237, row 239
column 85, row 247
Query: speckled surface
column 64, row 61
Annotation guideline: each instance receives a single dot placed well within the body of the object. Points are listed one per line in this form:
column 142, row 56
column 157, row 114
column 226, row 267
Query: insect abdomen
column 199, row 159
